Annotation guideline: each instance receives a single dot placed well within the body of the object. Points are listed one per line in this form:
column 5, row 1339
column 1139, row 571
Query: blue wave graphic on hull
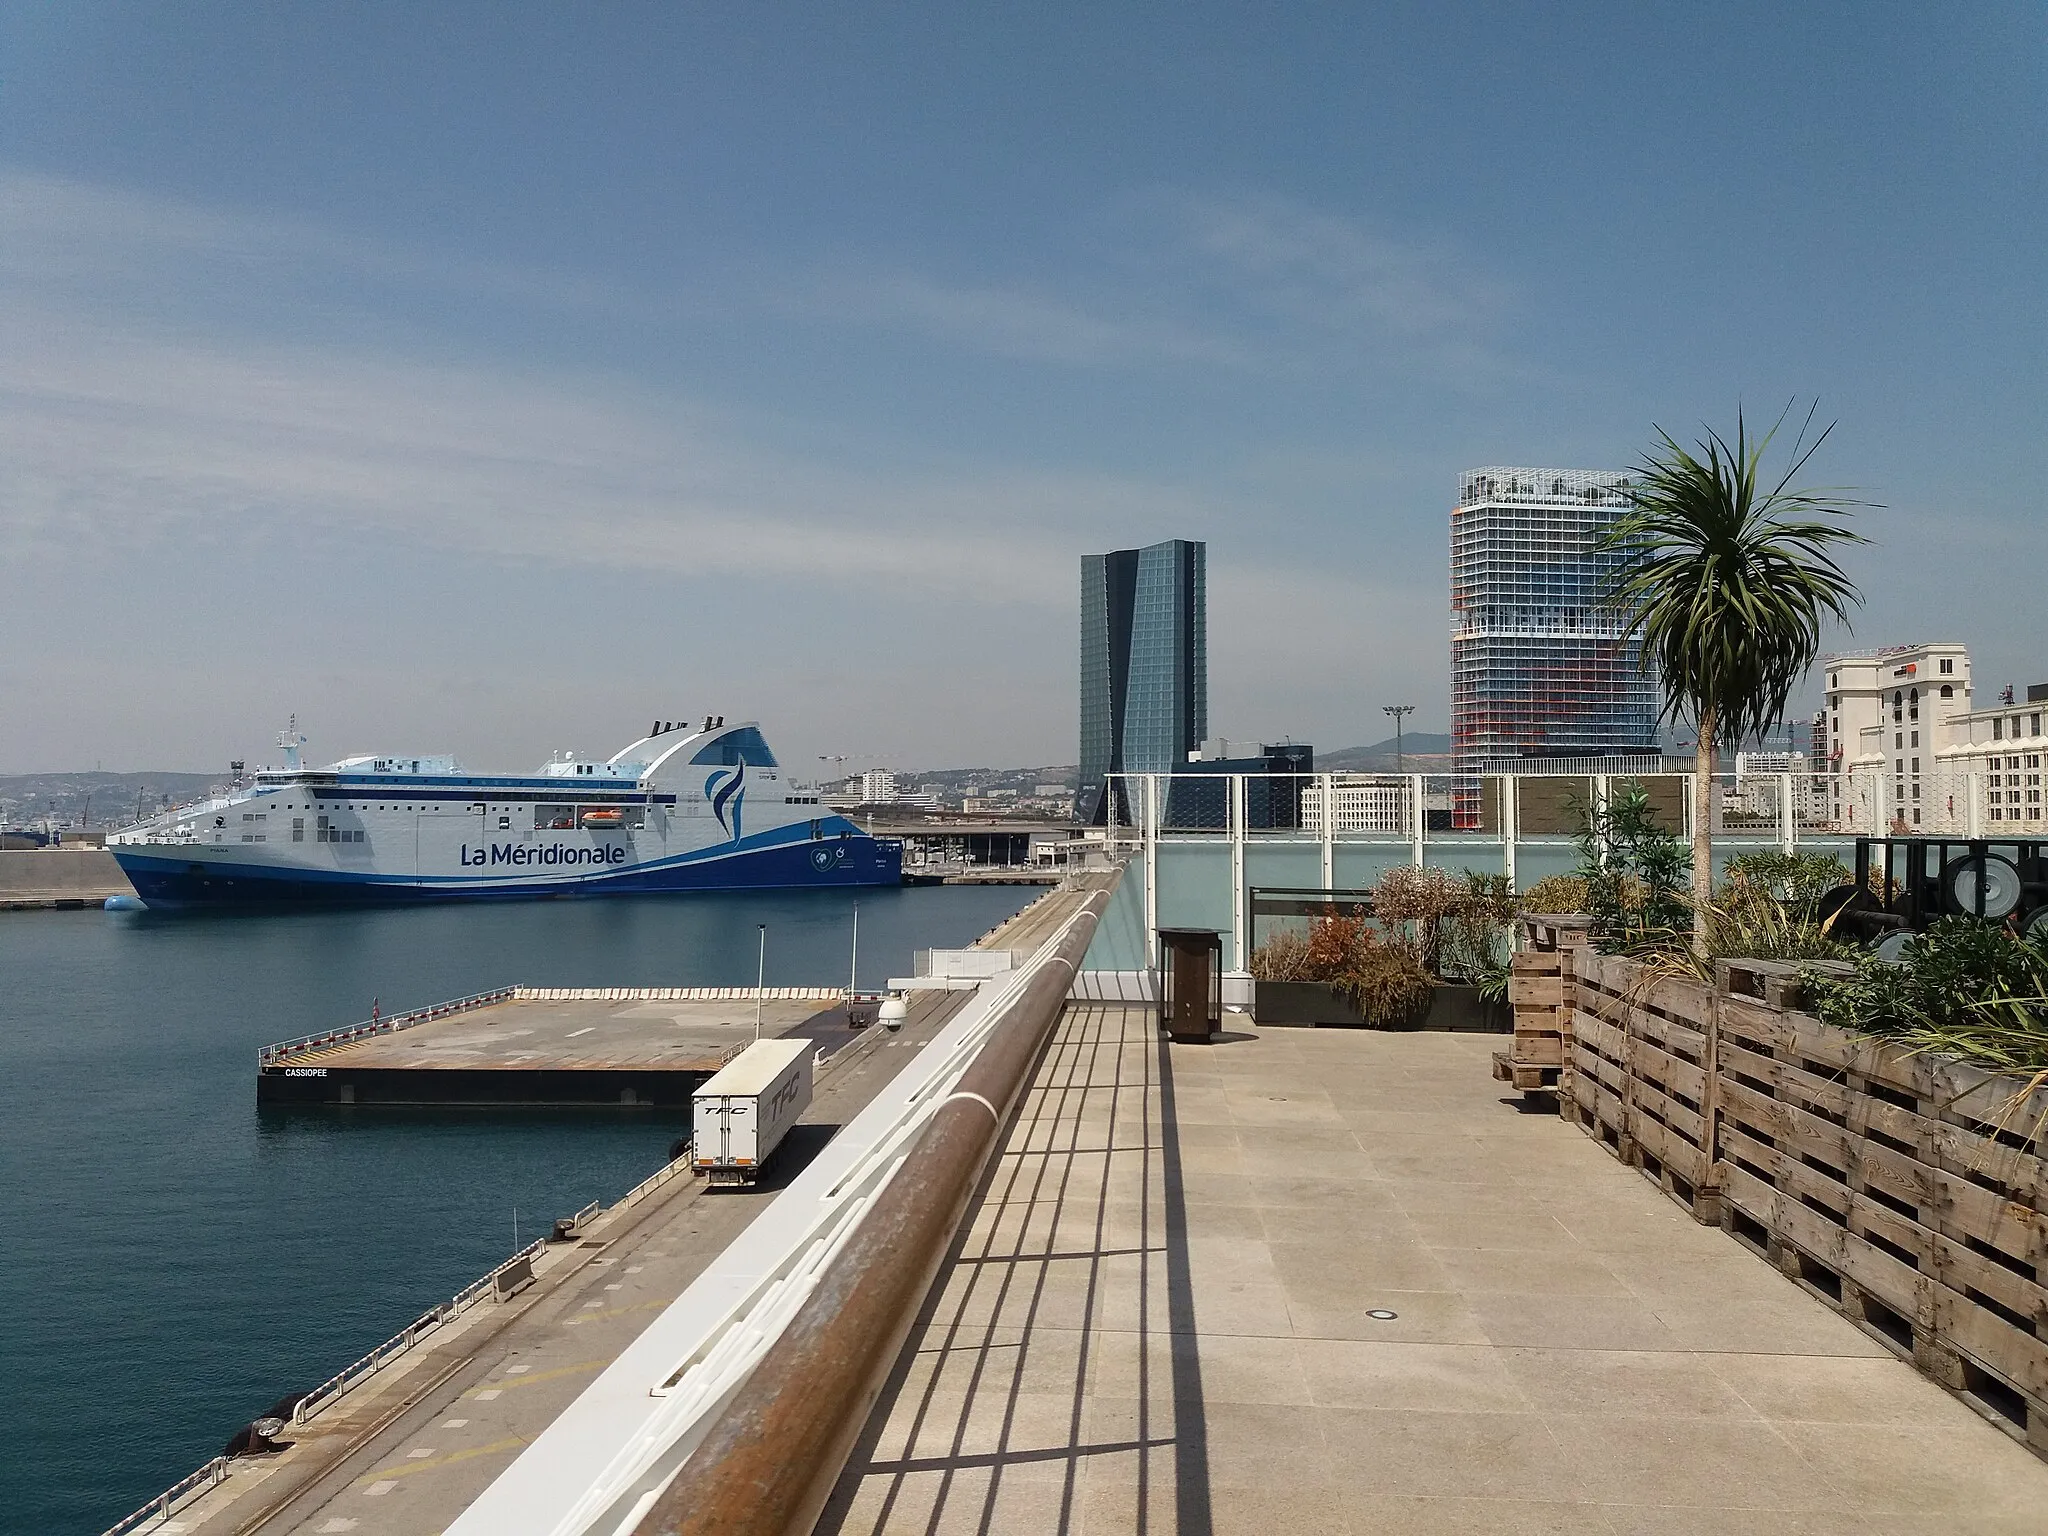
column 731, row 796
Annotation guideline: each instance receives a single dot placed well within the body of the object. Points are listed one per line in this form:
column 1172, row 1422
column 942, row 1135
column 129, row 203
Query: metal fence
column 1776, row 809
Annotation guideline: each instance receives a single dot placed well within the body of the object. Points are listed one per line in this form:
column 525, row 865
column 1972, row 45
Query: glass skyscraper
column 1144, row 663
column 1539, row 664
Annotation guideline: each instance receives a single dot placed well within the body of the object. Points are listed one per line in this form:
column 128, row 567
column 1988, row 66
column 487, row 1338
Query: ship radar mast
column 290, row 739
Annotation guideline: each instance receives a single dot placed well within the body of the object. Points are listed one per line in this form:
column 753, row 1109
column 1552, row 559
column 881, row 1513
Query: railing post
column 1600, row 807
column 1329, row 831
column 1418, row 814
column 1237, row 831
column 1974, row 804
column 1788, row 824
column 1151, row 815
column 1510, row 831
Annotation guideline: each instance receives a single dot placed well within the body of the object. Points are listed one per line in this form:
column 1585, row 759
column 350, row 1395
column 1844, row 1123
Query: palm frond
column 1728, row 586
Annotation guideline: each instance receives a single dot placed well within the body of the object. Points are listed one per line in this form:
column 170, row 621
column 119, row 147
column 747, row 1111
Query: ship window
column 743, row 744
column 504, row 823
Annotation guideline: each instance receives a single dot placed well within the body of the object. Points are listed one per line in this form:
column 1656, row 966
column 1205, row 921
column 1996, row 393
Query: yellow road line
column 408, row 1468
column 538, row 1376
column 638, row 1306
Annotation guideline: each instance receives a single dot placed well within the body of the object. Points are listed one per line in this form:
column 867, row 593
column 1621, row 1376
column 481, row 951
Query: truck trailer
column 742, row 1114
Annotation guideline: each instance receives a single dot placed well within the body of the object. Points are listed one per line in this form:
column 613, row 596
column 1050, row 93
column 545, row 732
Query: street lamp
column 760, row 979
column 1398, row 711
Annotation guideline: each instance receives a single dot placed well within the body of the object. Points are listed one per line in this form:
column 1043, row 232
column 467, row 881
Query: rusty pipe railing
column 769, row 1463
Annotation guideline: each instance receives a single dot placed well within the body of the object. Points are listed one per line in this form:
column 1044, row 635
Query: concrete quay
column 59, row 877
column 637, row 1048
column 411, row 1448
column 1323, row 1281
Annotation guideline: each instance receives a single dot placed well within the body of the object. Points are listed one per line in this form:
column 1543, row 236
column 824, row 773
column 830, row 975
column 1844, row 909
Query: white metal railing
column 601, row 1464
column 1777, row 809
column 386, row 1023
column 159, row 1508
column 405, row 1338
column 382, row 1024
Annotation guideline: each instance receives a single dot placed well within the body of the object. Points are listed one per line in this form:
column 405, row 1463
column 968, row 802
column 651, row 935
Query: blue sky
column 495, row 379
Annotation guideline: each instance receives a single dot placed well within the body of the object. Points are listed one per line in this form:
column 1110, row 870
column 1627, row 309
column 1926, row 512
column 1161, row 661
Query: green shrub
column 1556, row 894
column 1963, row 988
column 1636, row 875
column 1797, row 879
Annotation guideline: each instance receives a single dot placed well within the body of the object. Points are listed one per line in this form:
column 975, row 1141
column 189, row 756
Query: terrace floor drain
column 1381, row 1314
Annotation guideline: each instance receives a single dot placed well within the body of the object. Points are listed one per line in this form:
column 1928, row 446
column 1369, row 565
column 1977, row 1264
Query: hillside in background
column 1421, row 752
column 94, row 799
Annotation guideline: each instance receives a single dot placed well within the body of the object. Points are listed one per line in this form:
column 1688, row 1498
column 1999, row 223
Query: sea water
column 173, row 1260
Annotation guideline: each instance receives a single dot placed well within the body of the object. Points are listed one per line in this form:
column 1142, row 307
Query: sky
column 495, row 379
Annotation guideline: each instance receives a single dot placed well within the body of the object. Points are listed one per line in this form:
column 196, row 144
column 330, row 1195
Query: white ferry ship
column 681, row 809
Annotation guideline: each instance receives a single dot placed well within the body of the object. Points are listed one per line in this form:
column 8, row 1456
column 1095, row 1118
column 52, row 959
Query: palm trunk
column 1703, row 832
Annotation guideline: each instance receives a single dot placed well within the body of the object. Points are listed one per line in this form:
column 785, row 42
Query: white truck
column 740, row 1116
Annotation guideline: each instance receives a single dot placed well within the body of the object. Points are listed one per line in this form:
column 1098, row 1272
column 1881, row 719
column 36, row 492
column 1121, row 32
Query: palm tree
column 1727, row 584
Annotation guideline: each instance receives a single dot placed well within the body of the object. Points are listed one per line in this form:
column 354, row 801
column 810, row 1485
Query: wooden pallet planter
column 1643, row 1079
column 1908, row 1193
column 1539, row 984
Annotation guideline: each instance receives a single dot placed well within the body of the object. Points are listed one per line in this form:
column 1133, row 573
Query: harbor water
column 176, row 1261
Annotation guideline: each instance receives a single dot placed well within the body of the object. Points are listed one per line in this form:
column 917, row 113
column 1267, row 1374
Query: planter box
column 1302, row 1003
column 1316, row 1004
column 1909, row 1193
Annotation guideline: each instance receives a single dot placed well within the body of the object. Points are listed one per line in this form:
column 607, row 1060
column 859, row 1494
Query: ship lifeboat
column 610, row 816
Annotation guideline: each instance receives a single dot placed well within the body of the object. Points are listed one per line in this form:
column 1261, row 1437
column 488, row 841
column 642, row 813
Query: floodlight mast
column 1398, row 711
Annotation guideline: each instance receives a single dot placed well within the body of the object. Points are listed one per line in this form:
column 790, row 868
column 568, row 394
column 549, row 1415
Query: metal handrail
column 159, row 1508
column 400, row 1342
column 382, row 1025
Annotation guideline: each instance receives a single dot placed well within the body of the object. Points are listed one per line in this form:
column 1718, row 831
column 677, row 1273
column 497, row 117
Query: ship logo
column 726, row 789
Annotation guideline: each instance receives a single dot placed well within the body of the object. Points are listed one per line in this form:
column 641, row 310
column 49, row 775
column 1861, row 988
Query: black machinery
column 1903, row 884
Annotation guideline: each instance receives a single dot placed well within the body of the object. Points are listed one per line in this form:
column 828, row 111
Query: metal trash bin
column 1190, row 983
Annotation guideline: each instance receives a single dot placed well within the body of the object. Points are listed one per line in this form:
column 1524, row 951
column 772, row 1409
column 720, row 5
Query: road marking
column 338, row 1524
column 421, row 1454
column 634, row 1269
column 514, row 1443
column 575, row 1032
column 377, row 1490
column 455, row 1423
column 535, row 1380
column 517, row 1370
column 615, row 1287
column 591, row 1317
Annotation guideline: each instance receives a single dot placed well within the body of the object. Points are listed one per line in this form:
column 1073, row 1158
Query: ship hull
column 174, row 878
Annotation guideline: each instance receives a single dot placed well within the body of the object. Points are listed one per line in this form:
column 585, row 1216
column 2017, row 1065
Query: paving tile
column 1640, row 1383
column 1837, row 1390
column 1507, row 1270
column 1570, row 1322
column 1444, row 1454
column 1420, row 1317
column 1704, row 1463
column 1349, row 1373
column 1965, row 1469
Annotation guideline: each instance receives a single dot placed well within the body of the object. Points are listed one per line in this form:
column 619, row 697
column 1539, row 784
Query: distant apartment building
column 1356, row 804
column 2000, row 748
column 1540, row 667
column 1144, row 663
column 878, row 787
column 1889, row 714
